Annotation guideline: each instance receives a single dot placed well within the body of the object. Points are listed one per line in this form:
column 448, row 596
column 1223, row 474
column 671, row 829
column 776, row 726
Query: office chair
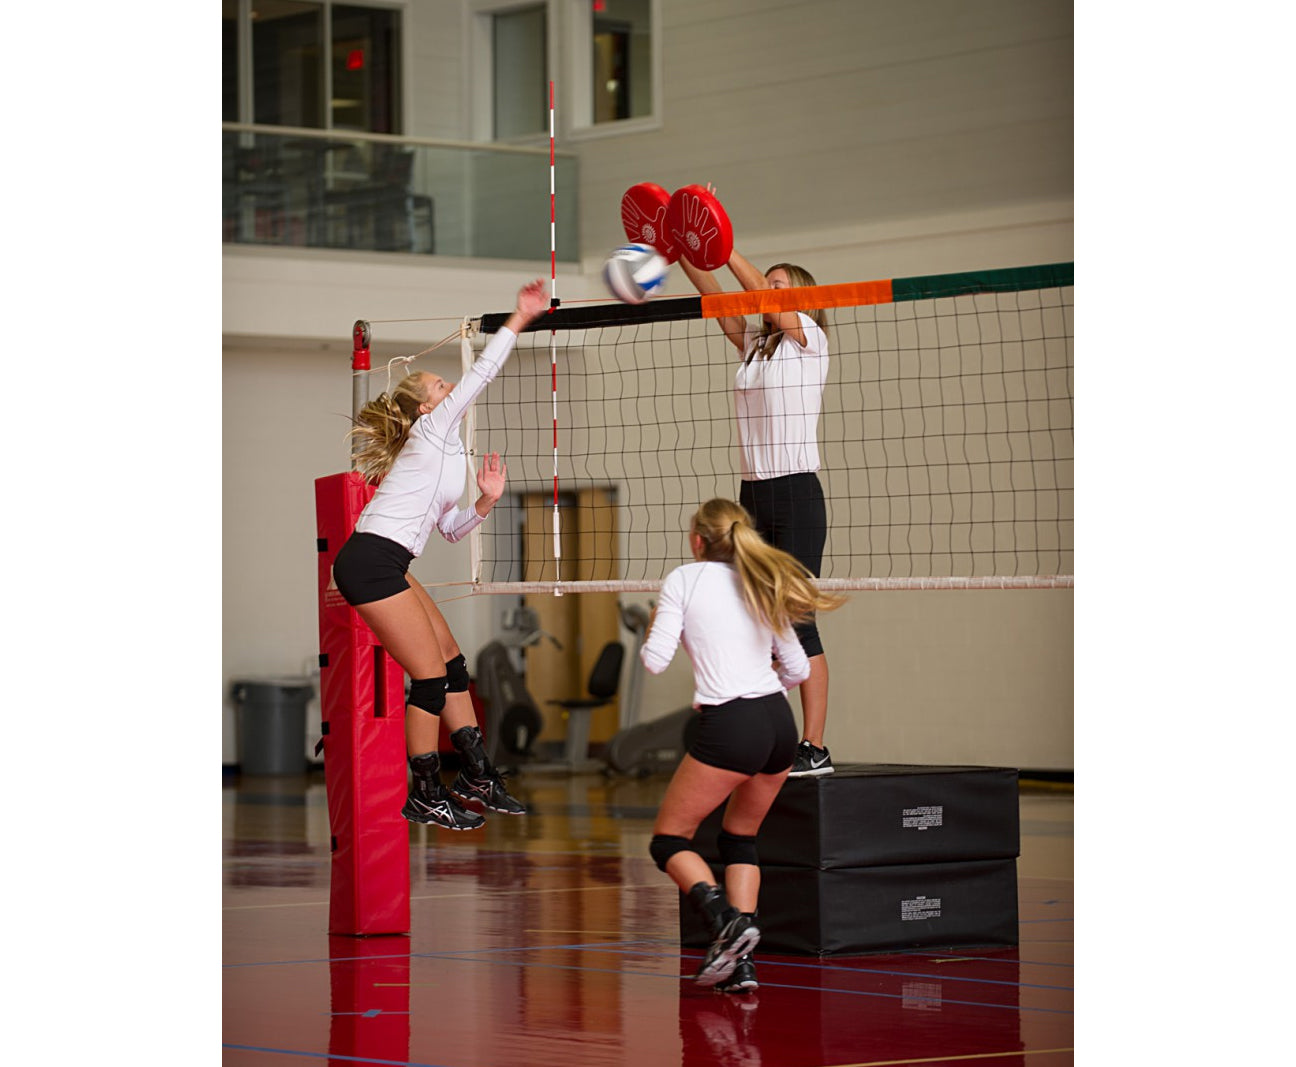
column 604, row 679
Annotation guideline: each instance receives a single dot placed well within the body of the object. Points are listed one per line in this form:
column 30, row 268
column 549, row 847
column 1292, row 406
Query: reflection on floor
column 551, row 940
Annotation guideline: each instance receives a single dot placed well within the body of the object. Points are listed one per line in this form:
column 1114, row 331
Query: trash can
column 272, row 724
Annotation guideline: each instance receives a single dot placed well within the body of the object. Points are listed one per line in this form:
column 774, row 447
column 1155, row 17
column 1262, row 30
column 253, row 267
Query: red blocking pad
column 643, row 214
column 698, row 225
column 362, row 706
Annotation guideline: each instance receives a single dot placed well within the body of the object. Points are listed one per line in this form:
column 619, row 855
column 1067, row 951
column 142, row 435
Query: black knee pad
column 427, row 694
column 457, row 675
column 664, row 846
column 735, row 848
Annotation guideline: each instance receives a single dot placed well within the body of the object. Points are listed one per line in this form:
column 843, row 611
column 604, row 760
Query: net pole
column 553, row 347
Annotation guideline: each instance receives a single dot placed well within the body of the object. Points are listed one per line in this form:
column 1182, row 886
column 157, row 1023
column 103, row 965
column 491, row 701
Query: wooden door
column 582, row 622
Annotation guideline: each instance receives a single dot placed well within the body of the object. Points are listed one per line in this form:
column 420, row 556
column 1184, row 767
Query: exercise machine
column 511, row 721
column 643, row 748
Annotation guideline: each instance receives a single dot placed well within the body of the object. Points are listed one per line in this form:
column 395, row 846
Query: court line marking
column 838, row 964
column 644, row 948
column 867, row 1063
column 328, row 1056
column 958, row 1059
column 641, row 946
column 462, row 896
column 764, row 984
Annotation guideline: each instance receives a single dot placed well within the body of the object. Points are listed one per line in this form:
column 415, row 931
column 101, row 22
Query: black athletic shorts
column 369, row 568
column 753, row 735
column 791, row 514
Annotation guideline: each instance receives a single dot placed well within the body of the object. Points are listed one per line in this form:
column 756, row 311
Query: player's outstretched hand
column 492, row 476
column 532, row 300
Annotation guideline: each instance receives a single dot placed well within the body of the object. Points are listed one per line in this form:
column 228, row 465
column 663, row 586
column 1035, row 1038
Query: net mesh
column 945, row 440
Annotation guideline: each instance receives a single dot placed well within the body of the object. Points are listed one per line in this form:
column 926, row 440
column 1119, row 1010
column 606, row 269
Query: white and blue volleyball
column 633, row 273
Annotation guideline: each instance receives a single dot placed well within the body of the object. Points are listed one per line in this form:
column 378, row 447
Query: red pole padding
column 362, row 707
column 370, row 984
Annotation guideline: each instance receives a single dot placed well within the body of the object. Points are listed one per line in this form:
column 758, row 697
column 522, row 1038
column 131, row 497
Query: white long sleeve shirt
column 777, row 401
column 426, row 482
column 701, row 604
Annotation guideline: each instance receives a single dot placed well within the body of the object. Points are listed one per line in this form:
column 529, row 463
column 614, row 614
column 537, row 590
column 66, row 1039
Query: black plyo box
column 807, row 911
column 874, row 815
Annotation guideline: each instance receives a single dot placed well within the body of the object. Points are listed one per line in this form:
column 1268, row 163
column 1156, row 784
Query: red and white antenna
column 553, row 346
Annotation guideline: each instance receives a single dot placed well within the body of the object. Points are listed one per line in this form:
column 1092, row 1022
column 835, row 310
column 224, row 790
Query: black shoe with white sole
column 479, row 780
column 443, row 811
column 430, row 802
column 743, row 979
column 810, row 761
column 739, row 936
column 488, row 790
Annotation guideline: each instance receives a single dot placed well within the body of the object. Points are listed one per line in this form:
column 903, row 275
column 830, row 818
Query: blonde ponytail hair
column 384, row 423
column 776, row 588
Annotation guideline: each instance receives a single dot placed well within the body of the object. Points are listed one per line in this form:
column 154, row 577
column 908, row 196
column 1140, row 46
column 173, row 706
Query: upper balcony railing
column 373, row 192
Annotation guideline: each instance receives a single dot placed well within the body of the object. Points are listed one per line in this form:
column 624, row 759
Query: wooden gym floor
column 551, row 940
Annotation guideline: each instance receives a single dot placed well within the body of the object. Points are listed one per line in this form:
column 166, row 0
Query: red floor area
column 551, row 940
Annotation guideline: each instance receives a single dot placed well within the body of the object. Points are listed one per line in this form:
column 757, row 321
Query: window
column 616, row 65
column 287, row 67
column 366, row 69
column 229, row 61
column 516, row 40
column 621, row 60
column 312, row 63
column 608, row 76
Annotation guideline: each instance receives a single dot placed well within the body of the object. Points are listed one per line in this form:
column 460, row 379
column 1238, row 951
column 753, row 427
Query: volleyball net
column 945, row 436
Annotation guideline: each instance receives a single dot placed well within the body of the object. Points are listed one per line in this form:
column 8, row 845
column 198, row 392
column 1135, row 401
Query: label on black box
column 920, row 908
column 923, row 818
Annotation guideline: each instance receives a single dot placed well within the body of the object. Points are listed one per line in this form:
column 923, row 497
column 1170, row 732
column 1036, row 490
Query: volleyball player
column 733, row 609
column 778, row 393
column 410, row 445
